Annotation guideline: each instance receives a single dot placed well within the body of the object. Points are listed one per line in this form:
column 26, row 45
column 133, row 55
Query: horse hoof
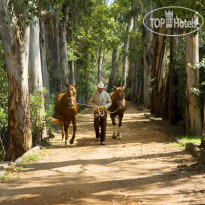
column 114, row 137
column 119, row 137
column 71, row 141
column 67, row 142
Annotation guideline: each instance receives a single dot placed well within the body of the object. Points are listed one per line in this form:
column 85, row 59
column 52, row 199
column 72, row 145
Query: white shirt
column 100, row 99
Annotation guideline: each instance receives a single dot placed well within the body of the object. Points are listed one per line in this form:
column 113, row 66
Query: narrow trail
column 143, row 168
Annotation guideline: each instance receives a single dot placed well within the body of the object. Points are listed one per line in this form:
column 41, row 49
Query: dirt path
column 142, row 168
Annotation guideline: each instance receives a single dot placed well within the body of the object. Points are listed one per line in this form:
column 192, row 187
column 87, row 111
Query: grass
column 193, row 139
column 19, row 168
column 176, row 144
column 31, row 157
column 10, row 175
column 186, row 139
column 25, row 160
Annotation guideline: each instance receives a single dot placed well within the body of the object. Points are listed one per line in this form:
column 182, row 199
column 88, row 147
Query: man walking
column 101, row 101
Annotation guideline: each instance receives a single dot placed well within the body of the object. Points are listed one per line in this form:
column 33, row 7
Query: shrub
column 39, row 116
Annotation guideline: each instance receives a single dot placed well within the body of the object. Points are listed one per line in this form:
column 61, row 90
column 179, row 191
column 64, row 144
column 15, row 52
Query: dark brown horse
column 117, row 108
column 66, row 112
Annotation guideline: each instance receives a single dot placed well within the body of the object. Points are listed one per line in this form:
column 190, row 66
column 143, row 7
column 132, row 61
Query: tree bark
column 203, row 131
column 36, row 80
column 63, row 47
column 130, row 74
column 99, row 65
column 165, row 114
column 16, row 49
column 157, row 85
column 111, row 82
column 73, row 72
column 172, row 105
column 53, row 54
column 193, row 114
column 35, row 59
column 147, row 58
column 125, row 53
column 134, row 83
column 44, row 67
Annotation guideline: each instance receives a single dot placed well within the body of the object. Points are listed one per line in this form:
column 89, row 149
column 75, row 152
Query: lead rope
column 96, row 111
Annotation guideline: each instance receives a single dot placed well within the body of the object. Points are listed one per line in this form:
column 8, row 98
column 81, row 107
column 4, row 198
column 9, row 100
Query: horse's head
column 71, row 95
column 119, row 96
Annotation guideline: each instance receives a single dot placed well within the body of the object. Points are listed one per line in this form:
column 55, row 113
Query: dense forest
column 47, row 44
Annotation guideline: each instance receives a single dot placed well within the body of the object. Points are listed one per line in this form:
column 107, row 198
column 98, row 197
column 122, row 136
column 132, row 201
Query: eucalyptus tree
column 16, row 16
column 15, row 38
column 193, row 119
column 63, row 44
column 148, row 45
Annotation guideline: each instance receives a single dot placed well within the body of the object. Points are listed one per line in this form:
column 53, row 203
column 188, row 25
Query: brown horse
column 117, row 108
column 66, row 111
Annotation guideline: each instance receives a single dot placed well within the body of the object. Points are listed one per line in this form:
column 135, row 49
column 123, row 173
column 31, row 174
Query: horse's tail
column 55, row 121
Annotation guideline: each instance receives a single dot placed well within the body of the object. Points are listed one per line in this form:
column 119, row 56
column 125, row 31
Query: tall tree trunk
column 130, row 74
column 172, row 112
column 36, row 71
column 73, row 72
column 134, row 83
column 63, row 47
column 165, row 114
column 147, row 58
column 125, row 53
column 157, row 75
column 111, row 82
column 99, row 65
column 203, row 131
column 44, row 67
column 35, row 59
column 16, row 49
column 53, row 54
column 193, row 114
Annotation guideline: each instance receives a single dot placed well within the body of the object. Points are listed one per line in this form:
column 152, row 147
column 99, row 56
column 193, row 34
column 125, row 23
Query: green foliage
column 127, row 94
column 3, row 101
column 3, row 118
column 195, row 91
column 39, row 117
column 136, row 46
column 3, row 91
column 24, row 11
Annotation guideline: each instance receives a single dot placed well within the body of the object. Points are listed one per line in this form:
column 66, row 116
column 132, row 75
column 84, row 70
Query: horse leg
column 66, row 128
column 119, row 134
column 112, row 116
column 62, row 129
column 74, row 130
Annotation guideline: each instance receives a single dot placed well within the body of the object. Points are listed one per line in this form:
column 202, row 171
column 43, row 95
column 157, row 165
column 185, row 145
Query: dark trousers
column 100, row 122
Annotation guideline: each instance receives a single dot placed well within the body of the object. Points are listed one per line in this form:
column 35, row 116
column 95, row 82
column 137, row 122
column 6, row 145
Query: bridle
column 119, row 101
column 72, row 99
column 71, row 104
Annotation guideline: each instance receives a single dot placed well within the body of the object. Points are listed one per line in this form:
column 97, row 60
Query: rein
column 99, row 113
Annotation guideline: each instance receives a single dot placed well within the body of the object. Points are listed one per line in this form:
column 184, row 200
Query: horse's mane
column 111, row 94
